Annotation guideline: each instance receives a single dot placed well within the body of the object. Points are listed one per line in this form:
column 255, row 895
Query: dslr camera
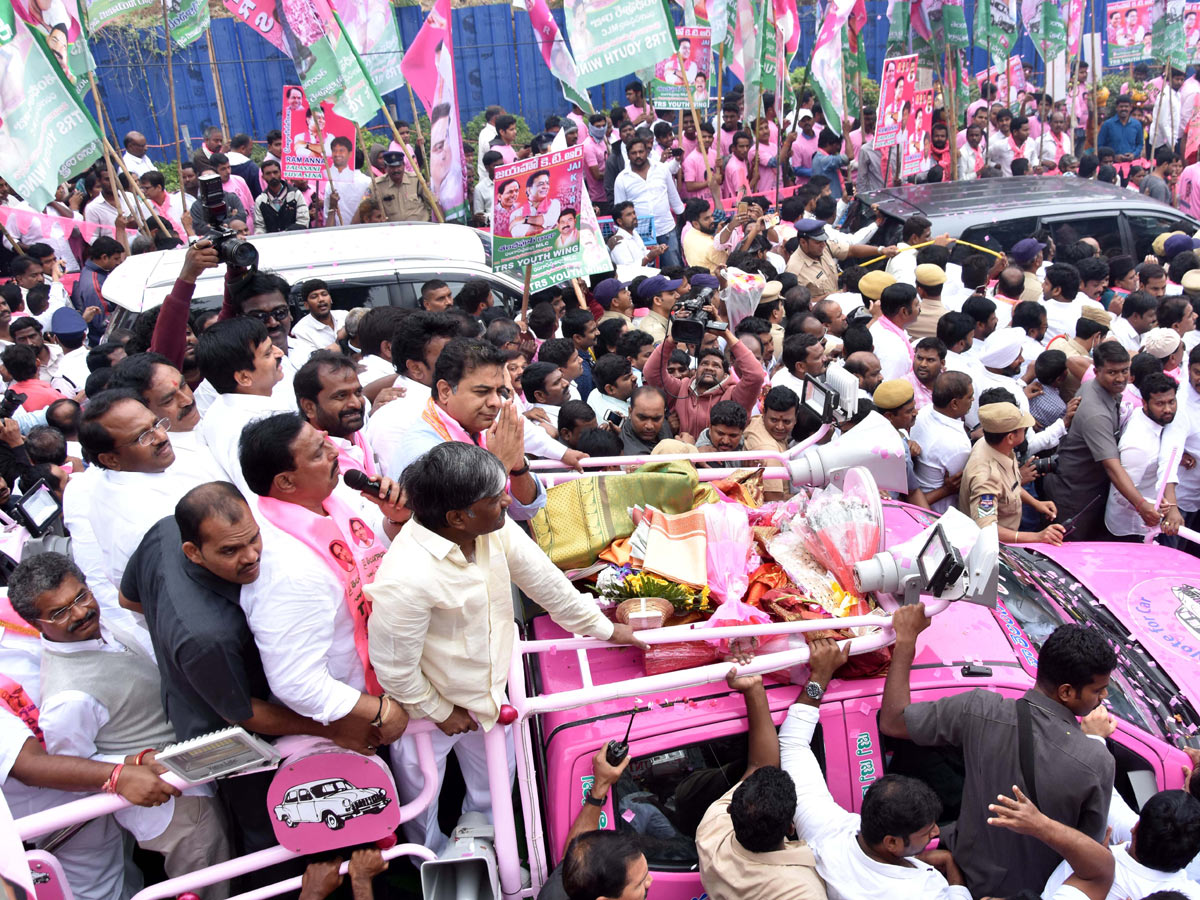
column 689, row 318
column 231, row 249
column 1042, row 465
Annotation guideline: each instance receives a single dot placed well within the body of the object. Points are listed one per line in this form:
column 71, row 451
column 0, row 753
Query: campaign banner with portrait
column 668, row 87
column 612, row 38
column 535, row 216
column 917, row 129
column 59, row 25
column 896, row 90
column 306, row 144
column 46, row 134
column 1011, row 75
column 1128, row 31
column 371, row 26
column 1191, row 31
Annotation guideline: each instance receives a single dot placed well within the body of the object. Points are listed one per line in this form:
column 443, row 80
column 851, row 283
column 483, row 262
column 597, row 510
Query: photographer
column 693, row 398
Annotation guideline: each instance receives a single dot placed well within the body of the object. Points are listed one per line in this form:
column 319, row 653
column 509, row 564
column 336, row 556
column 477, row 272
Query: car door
column 306, row 808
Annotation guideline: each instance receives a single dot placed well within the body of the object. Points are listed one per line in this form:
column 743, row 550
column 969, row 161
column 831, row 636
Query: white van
column 364, row 265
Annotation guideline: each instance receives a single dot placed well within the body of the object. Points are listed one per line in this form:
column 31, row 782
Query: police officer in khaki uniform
column 991, row 480
column 814, row 263
column 398, row 192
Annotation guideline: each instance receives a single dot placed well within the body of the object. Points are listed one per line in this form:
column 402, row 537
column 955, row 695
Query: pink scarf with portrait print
column 321, row 534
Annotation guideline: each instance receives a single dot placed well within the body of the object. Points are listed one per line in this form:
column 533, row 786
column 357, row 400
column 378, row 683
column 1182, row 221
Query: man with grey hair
column 101, row 699
column 441, row 635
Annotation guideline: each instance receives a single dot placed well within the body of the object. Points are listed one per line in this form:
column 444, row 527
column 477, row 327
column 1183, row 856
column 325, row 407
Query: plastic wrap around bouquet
column 743, row 292
column 842, row 526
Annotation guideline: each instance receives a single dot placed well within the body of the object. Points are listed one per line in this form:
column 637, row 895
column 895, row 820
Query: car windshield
column 330, row 787
column 1140, row 692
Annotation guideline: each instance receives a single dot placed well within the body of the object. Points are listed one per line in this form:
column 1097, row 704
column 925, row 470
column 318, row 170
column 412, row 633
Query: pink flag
column 1074, row 26
column 420, row 60
column 920, row 20
column 555, row 53
column 787, row 18
column 428, row 67
column 259, row 15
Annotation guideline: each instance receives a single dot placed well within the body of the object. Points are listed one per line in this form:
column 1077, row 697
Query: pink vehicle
column 684, row 755
column 687, row 736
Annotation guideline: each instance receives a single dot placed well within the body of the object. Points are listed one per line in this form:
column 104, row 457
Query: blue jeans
column 673, row 255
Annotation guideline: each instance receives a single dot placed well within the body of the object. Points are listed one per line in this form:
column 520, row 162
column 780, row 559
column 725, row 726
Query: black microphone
column 360, row 482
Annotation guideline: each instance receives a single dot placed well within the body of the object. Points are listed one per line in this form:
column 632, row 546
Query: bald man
column 135, row 158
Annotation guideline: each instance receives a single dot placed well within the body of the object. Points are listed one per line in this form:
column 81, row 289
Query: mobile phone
column 677, row 153
column 742, row 208
column 614, row 418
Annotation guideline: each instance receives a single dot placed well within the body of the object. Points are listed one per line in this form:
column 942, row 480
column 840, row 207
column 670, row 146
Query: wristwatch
column 592, row 801
column 517, row 473
column 814, row 691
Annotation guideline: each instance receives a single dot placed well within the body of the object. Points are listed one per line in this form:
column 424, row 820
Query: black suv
column 998, row 212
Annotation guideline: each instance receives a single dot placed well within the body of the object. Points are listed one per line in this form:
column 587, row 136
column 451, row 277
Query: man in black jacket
column 280, row 207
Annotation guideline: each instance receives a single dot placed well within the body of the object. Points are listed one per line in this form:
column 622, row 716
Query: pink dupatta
column 344, row 542
column 12, row 694
column 346, row 460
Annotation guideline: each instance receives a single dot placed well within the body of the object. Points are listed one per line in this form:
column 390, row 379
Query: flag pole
column 437, row 210
column 134, row 185
column 412, row 101
column 109, row 154
column 183, row 206
column 212, row 62
column 950, row 85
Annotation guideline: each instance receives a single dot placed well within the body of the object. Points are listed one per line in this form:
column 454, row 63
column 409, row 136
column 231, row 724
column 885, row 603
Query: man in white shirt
column 1168, row 123
column 162, row 388
column 803, row 354
column 652, row 191
column 375, row 332
column 441, row 625
column 1045, row 150
column 487, row 134
column 484, row 196
column 131, row 444
column 1000, row 365
column 900, row 306
column 34, row 780
column 101, row 699
column 241, row 363
column 1139, row 314
column 103, row 210
column 306, row 608
column 1151, row 851
column 1064, row 304
column 875, row 854
column 418, row 340
column 134, row 157
column 69, row 330
column 347, row 184
column 322, row 328
column 1146, row 447
column 626, row 247
column 612, row 376
column 944, row 443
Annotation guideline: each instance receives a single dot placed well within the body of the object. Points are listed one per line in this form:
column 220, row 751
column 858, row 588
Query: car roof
column 142, row 282
column 309, row 784
column 992, row 198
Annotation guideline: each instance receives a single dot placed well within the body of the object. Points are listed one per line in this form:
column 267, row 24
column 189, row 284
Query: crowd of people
column 212, row 566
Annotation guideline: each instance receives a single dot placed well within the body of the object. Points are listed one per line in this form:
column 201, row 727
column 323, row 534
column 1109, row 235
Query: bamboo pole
column 13, row 242
column 183, row 204
column 949, row 84
column 108, row 153
column 437, row 210
column 216, row 77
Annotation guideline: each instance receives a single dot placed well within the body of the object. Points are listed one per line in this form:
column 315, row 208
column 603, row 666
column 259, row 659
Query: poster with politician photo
column 305, row 143
column 535, row 218
column 896, row 90
column 669, row 86
column 1191, row 31
column 1128, row 31
column 917, row 129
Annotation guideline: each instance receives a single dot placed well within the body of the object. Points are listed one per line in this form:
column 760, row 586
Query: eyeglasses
column 60, row 615
column 279, row 313
column 146, row 438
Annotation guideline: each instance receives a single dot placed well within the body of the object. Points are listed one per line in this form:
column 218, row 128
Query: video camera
column 689, row 318
column 11, row 403
column 231, row 249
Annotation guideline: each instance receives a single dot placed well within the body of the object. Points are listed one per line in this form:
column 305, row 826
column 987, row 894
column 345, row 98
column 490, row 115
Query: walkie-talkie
column 618, row 750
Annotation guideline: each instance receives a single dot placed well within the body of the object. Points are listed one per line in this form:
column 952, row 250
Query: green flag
column 614, row 39
column 954, row 26
column 187, row 19
column 99, row 13
column 1047, row 29
column 996, row 27
column 46, row 133
column 1167, row 37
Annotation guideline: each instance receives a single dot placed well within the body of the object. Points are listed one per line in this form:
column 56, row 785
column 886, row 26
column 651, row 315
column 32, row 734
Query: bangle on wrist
column 524, row 470
column 378, row 720
column 137, row 760
column 110, row 785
